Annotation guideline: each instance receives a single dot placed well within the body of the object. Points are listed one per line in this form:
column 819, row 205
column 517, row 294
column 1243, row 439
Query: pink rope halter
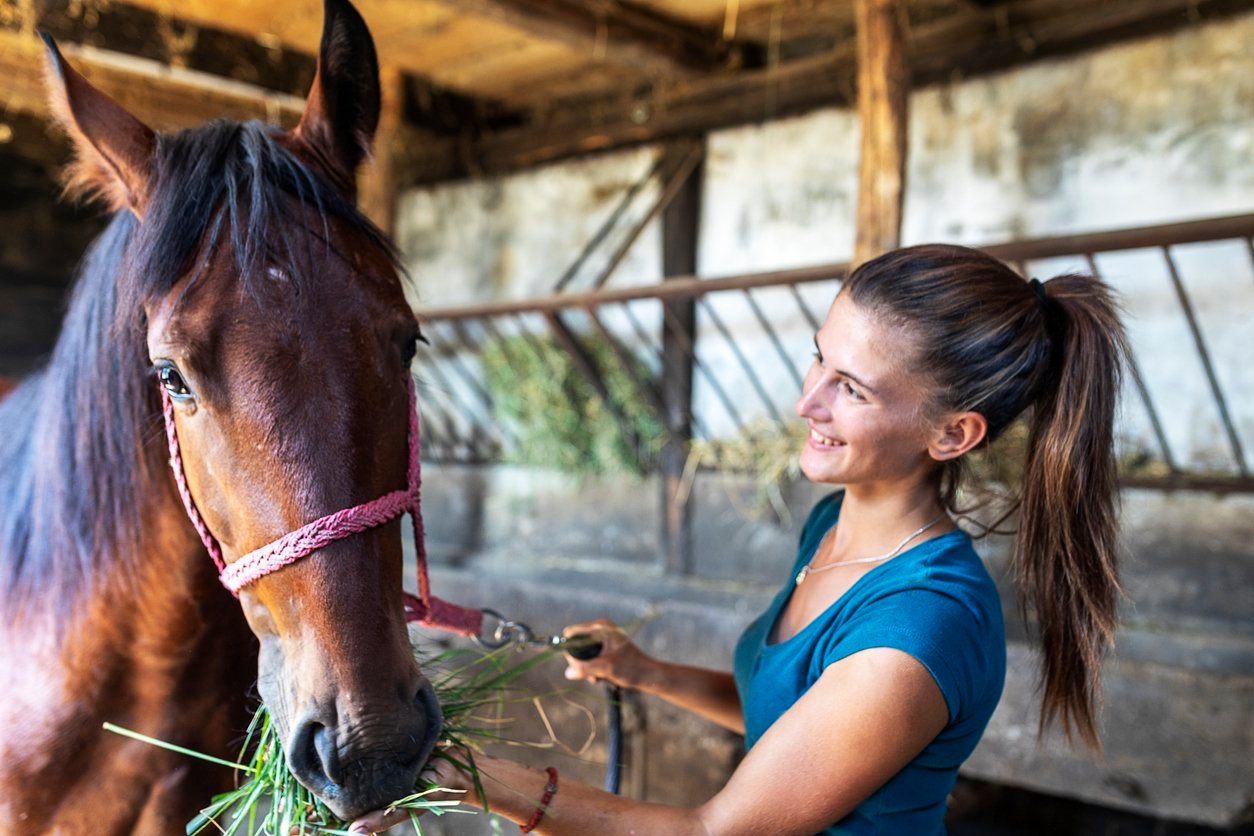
column 424, row 608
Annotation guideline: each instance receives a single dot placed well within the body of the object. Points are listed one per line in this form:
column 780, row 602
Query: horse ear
column 113, row 150
column 342, row 110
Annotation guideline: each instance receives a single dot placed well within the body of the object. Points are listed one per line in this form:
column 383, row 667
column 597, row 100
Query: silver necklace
column 810, row 568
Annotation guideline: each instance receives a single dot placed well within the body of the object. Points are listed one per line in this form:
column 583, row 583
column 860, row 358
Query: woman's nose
column 810, row 404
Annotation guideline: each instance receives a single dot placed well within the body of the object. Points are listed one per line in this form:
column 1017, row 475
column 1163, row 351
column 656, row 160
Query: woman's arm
column 861, row 723
column 708, row 693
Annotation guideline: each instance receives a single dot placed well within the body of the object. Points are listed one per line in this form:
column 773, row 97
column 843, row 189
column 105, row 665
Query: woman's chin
column 820, row 467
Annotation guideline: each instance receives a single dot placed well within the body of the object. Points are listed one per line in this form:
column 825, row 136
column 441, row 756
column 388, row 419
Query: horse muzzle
column 365, row 762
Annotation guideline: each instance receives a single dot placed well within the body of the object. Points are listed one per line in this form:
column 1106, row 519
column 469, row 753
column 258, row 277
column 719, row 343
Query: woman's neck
column 875, row 517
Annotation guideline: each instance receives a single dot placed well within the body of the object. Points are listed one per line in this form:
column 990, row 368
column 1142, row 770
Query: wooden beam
column 967, row 43
column 376, row 184
column 883, row 105
column 631, row 36
column 178, row 42
column 166, row 98
column 681, row 222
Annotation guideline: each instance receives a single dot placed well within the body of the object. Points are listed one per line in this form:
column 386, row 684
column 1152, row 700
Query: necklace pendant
column 801, row 576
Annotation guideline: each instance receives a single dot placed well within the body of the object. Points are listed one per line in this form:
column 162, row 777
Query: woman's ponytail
column 1068, row 515
column 988, row 342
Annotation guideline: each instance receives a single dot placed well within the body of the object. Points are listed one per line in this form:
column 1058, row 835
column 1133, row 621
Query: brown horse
column 238, row 275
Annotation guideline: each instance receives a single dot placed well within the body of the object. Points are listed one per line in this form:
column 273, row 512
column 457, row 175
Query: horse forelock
column 81, row 443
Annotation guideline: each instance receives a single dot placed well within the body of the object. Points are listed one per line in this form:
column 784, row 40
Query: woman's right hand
column 620, row 662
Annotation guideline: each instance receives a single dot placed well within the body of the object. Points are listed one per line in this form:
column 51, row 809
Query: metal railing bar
column 1190, row 482
column 641, row 334
column 1139, row 238
column 677, row 288
column 454, row 362
column 690, row 350
column 475, row 348
column 788, row 362
column 697, row 424
column 612, row 221
column 532, row 341
column 1200, row 344
column 740, row 357
column 493, row 333
column 1138, row 380
column 656, row 351
column 584, row 365
column 436, row 428
column 805, row 309
column 673, row 185
column 627, row 362
column 1211, row 229
column 444, row 386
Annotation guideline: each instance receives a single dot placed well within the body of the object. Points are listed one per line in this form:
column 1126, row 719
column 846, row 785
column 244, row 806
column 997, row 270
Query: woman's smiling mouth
column 822, row 442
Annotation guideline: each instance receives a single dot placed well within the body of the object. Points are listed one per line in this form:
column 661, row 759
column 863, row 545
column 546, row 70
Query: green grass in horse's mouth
column 269, row 801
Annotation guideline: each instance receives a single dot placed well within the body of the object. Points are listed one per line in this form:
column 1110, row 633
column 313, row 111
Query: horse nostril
column 328, row 753
column 312, row 755
column 430, row 723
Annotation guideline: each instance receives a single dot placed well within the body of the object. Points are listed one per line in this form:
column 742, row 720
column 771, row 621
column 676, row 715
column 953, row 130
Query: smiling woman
column 872, row 675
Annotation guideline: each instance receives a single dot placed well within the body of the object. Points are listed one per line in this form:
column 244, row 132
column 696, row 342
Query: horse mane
column 82, row 445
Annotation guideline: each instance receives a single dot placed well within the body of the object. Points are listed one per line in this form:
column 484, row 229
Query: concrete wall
column 1151, row 131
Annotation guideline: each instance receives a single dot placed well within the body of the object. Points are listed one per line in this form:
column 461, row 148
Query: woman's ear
column 959, row 433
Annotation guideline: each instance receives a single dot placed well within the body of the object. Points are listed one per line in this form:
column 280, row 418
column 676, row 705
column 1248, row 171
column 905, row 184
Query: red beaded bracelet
column 550, row 789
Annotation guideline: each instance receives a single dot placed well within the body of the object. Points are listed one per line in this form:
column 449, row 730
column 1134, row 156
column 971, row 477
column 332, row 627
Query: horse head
column 277, row 325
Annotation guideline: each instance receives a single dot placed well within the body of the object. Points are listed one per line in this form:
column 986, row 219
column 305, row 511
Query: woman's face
column 864, row 408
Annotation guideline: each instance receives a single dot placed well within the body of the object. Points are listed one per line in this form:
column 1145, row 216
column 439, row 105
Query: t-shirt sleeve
column 944, row 634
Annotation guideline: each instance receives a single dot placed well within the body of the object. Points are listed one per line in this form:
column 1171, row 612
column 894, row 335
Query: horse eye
column 173, row 382
column 410, row 348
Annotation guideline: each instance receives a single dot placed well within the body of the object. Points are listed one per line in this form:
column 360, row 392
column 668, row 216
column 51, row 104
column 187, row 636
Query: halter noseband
column 425, row 608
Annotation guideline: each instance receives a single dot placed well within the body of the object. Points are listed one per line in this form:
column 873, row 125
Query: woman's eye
column 173, row 382
column 849, row 390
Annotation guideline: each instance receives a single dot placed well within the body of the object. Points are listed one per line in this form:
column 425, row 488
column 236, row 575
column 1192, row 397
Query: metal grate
column 746, row 379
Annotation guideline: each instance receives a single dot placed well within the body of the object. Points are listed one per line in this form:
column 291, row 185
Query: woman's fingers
column 613, row 647
column 379, row 821
column 440, row 772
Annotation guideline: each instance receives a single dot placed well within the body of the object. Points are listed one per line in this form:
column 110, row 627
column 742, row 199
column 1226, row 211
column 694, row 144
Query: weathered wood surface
column 534, row 81
column 883, row 102
column 377, row 179
column 978, row 41
column 164, row 97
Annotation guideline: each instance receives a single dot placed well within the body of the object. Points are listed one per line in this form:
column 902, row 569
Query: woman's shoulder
column 945, row 567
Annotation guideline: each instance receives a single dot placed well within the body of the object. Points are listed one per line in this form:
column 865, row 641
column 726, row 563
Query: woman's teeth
column 822, row 440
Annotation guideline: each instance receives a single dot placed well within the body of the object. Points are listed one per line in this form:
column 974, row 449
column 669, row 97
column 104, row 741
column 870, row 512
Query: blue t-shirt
column 936, row 602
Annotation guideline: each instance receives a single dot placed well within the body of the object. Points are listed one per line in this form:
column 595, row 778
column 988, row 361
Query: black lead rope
column 583, row 649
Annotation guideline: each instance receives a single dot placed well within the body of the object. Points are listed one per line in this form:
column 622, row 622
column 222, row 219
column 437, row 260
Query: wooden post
column 376, row 185
column 883, row 101
column 680, row 227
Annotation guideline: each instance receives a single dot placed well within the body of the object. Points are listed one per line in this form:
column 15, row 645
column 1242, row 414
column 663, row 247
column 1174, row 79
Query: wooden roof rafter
column 977, row 41
column 615, row 31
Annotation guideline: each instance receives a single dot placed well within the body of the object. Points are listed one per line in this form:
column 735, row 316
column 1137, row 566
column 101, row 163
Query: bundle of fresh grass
column 472, row 686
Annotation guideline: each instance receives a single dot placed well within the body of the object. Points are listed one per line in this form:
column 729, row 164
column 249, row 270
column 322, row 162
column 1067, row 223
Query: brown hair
column 997, row 345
